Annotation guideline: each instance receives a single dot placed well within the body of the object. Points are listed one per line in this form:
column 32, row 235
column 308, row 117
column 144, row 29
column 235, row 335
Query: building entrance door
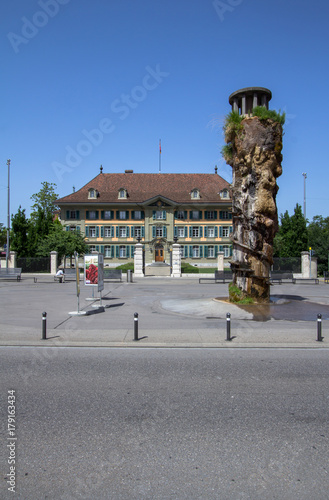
column 159, row 253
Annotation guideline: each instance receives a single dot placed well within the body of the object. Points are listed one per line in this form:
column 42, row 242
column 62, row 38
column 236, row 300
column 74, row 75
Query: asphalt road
column 166, row 423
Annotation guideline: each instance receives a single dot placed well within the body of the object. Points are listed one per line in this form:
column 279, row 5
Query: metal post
column 44, row 326
column 319, row 339
column 228, row 326
column 8, row 215
column 136, row 326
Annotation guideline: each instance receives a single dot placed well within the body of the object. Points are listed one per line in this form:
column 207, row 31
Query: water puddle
column 286, row 307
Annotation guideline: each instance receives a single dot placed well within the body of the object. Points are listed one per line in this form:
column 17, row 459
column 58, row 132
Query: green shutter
column 215, row 214
column 127, row 251
column 67, row 228
column 200, row 214
column 97, row 231
column 132, row 231
column 216, row 250
column 67, row 214
column 191, row 251
column 127, row 232
column 102, row 231
column 206, row 232
column 175, row 231
column 191, row 232
column 206, row 251
column 87, row 231
column 164, row 231
column 200, row 232
column 185, row 251
column 112, row 231
column 154, row 231
column 216, row 232
column 117, row 251
column 102, row 214
column 164, row 215
column 154, row 214
column 185, row 231
column 87, row 214
column 143, row 232
column 117, row 231
column 102, row 249
column 97, row 248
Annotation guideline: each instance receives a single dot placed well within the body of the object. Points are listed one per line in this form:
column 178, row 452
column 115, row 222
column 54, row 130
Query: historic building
column 115, row 211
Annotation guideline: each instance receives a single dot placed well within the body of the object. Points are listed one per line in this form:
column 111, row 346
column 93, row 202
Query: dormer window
column 195, row 194
column 122, row 194
column 92, row 193
column 224, row 194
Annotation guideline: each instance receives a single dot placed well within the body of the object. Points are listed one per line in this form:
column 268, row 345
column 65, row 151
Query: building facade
column 115, row 211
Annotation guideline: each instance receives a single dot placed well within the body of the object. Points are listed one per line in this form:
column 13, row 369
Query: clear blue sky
column 138, row 71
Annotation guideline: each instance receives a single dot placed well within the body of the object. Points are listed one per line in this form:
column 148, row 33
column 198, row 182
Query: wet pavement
column 286, row 307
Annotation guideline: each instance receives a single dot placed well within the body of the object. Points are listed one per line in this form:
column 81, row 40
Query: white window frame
column 195, row 215
column 211, row 251
column 92, row 248
column 225, row 231
column 122, row 251
column 196, row 251
column 226, row 250
column 159, row 231
column 122, row 215
column 195, row 232
column 211, row 229
column 122, row 232
column 138, row 215
column 225, row 215
column 107, row 214
column 92, row 232
column 138, row 231
column 180, row 214
column 107, row 232
column 107, row 251
column 180, row 232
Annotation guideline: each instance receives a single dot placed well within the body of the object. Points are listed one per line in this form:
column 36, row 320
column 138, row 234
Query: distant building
column 114, row 211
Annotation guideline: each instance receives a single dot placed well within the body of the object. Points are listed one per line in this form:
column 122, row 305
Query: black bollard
column 228, row 326
column 136, row 326
column 319, row 339
column 44, row 326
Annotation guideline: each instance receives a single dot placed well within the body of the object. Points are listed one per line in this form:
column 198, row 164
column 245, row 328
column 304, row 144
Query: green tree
column 63, row 242
column 44, row 201
column 292, row 236
column 318, row 240
column 3, row 235
column 20, row 227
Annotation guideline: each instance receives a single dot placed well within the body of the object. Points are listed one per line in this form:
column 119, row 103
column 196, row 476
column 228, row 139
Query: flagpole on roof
column 159, row 156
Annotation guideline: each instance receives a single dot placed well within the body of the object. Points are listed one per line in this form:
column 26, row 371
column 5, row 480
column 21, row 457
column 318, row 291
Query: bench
column 69, row 275
column 279, row 277
column 112, row 274
column 326, row 277
column 11, row 272
column 307, row 280
column 219, row 277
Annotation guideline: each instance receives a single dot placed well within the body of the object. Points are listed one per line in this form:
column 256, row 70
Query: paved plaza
column 171, row 312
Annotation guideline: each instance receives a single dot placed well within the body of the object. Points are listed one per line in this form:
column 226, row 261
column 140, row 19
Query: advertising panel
column 91, row 270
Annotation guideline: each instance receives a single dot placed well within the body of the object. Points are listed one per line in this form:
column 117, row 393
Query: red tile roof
column 143, row 187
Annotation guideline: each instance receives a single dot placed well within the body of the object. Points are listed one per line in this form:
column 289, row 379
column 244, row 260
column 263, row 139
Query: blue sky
column 86, row 83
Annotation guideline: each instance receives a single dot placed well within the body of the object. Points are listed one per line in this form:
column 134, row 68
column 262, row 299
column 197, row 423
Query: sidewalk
column 171, row 313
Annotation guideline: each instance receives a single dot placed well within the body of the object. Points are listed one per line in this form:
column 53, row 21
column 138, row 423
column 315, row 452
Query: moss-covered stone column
column 253, row 150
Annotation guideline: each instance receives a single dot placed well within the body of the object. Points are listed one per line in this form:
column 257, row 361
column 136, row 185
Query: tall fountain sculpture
column 253, row 137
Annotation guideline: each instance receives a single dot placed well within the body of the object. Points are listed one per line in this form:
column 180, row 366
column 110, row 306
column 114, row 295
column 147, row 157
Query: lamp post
column 8, row 215
column 305, row 177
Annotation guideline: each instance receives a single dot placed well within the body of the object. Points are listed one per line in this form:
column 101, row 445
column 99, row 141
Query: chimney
column 216, row 169
column 129, row 171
